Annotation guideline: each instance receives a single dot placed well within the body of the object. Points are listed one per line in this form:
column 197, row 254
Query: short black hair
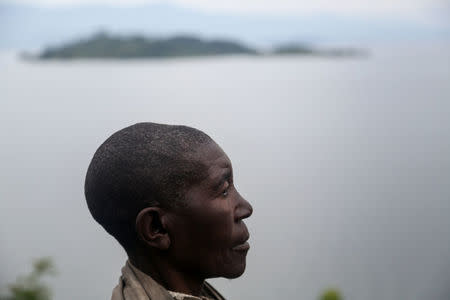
column 146, row 164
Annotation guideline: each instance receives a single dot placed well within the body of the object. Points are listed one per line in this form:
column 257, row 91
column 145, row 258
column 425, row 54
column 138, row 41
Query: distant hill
column 103, row 45
column 296, row 49
column 106, row 46
column 293, row 49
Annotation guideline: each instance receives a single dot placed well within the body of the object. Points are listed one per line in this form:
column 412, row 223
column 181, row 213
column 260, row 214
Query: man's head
column 169, row 190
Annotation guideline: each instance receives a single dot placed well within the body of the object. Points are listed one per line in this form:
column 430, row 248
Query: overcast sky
column 418, row 10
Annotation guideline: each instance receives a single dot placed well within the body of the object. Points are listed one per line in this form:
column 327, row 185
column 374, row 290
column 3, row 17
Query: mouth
column 242, row 244
column 241, row 247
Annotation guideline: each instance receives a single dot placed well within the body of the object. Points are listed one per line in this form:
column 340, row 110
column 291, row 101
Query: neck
column 167, row 275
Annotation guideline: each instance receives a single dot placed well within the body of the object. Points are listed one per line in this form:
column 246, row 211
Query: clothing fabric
column 136, row 285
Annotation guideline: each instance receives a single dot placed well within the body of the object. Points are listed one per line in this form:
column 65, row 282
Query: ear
column 151, row 229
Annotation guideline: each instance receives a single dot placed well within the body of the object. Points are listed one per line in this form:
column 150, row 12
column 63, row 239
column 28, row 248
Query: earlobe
column 150, row 228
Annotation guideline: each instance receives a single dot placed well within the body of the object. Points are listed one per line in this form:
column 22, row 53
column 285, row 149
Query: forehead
column 214, row 160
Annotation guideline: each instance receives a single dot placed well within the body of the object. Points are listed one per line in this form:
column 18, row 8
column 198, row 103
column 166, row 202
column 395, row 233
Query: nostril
column 246, row 210
column 243, row 208
column 250, row 209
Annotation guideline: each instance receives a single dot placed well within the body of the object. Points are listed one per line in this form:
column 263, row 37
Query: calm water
column 346, row 162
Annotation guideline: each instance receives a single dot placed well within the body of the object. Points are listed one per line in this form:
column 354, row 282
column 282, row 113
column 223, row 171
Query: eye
column 226, row 189
column 225, row 192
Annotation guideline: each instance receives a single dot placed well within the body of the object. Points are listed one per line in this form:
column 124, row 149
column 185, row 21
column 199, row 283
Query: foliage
column 331, row 294
column 294, row 49
column 103, row 45
column 30, row 287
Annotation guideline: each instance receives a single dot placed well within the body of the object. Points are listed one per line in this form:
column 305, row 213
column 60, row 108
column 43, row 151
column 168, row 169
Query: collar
column 156, row 291
column 181, row 296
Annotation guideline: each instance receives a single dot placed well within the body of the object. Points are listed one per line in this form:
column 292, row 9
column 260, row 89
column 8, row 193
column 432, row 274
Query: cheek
column 218, row 241
column 217, row 229
column 204, row 245
column 220, row 224
column 208, row 229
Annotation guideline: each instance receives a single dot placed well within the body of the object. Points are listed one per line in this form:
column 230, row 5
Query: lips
column 242, row 247
column 242, row 244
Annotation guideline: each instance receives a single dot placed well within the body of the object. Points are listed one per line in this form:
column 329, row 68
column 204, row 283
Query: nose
column 243, row 208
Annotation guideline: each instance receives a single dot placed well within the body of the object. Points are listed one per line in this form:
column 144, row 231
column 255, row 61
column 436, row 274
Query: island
column 296, row 49
column 103, row 45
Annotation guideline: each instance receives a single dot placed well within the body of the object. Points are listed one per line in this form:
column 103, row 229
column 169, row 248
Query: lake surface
column 345, row 161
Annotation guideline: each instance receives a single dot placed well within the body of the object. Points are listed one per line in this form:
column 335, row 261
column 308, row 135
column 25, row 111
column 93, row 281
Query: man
column 166, row 193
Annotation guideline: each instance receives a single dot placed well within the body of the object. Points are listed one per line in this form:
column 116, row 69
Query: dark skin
column 180, row 247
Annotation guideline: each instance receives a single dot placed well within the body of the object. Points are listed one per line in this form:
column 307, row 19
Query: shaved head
column 146, row 164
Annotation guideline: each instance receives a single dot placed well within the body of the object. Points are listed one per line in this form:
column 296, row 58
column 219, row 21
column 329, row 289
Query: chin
column 229, row 266
column 235, row 272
